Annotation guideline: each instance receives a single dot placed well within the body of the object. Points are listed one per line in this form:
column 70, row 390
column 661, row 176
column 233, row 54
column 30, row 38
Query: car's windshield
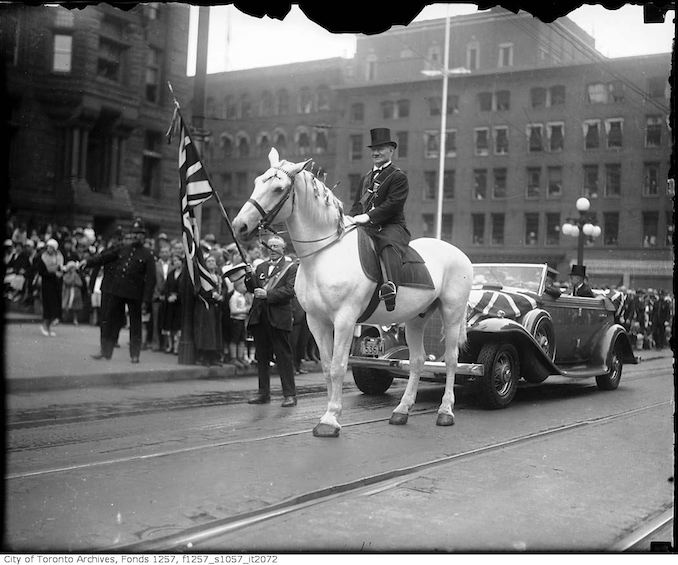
column 528, row 277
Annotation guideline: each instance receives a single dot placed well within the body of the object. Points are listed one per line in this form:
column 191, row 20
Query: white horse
column 333, row 289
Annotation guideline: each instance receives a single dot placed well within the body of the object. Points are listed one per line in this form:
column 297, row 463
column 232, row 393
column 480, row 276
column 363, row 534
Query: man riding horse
column 379, row 208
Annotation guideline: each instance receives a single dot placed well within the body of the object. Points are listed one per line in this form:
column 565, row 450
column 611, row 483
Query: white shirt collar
column 382, row 167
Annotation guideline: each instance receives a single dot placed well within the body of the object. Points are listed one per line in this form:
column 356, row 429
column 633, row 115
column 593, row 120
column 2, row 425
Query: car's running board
column 474, row 369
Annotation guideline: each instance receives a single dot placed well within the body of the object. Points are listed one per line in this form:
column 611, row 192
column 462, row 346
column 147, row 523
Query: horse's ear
column 273, row 157
column 298, row 167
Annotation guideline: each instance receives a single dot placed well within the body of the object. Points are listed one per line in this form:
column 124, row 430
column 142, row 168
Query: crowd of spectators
column 42, row 277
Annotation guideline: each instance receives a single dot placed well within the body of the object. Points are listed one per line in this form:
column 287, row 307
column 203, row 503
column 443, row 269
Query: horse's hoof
column 398, row 419
column 445, row 420
column 325, row 430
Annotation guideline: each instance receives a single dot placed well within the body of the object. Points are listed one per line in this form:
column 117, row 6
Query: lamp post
column 581, row 227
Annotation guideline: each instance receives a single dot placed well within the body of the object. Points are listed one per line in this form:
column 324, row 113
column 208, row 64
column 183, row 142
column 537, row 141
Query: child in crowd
column 240, row 305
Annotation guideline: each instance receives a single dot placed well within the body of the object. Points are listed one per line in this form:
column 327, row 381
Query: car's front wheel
column 372, row 381
column 501, row 371
column 611, row 379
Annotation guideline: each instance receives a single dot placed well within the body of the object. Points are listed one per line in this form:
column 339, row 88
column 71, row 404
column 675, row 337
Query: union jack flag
column 496, row 303
column 195, row 189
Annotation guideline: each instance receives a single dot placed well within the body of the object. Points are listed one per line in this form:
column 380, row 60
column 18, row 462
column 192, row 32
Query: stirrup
column 387, row 293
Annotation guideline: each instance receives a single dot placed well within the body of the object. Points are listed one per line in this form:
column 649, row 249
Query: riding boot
column 388, row 290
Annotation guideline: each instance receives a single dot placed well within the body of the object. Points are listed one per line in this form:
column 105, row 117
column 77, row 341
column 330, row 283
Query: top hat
column 578, row 271
column 381, row 136
column 138, row 226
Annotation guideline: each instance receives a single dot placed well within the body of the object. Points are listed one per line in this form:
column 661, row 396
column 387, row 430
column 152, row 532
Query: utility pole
column 186, row 343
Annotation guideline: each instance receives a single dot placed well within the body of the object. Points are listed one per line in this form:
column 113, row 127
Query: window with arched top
column 305, row 105
column 245, row 106
column 243, row 144
column 320, row 141
column 263, row 143
column 226, row 144
column 303, row 141
column 322, row 98
column 280, row 141
column 282, row 101
column 266, row 104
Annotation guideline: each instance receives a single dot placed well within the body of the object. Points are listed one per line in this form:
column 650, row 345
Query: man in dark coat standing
column 132, row 281
column 271, row 321
column 579, row 285
column 380, row 208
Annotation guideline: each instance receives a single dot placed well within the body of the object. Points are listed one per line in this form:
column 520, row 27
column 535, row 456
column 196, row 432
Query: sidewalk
column 34, row 362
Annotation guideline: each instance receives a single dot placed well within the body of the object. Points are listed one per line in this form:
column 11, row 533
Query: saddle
column 413, row 271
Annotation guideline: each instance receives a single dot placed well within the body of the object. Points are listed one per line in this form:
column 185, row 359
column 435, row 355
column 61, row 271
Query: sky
column 238, row 41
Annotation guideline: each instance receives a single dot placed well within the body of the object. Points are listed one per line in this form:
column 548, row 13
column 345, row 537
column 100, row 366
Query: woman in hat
column 50, row 269
column 380, row 208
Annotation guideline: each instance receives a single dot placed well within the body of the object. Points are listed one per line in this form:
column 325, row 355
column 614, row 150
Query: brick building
column 88, row 109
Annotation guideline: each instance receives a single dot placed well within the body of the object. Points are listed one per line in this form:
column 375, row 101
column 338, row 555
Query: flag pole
column 209, row 179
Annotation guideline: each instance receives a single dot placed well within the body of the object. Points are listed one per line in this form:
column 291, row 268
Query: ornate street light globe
column 596, row 231
column 583, row 204
column 567, row 228
column 588, row 229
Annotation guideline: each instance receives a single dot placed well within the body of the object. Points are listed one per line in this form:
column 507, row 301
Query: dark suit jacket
column 583, row 290
column 388, row 206
column 278, row 303
column 160, row 279
column 133, row 272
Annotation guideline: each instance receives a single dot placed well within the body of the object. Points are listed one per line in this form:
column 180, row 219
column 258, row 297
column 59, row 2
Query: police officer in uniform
column 132, row 282
column 380, row 208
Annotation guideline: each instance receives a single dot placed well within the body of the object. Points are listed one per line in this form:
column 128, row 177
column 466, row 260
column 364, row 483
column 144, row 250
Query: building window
column 402, row 138
column 263, row 143
column 388, row 110
column 501, row 140
column 591, row 181
column 305, row 101
column 429, row 225
column 110, row 58
column 480, row 184
column 478, row 226
column 498, row 221
column 356, row 148
column 357, row 112
column 669, row 229
column 226, row 142
column 151, row 159
column 280, row 141
column 616, row 91
column 552, row 229
column 282, row 100
column 653, row 131
column 651, row 179
column 592, row 134
column 448, row 184
column 371, row 70
column 503, row 100
column 451, row 143
column 534, row 137
column 596, row 93
column 153, row 63
column 430, row 185
column 266, row 104
column 613, row 180
column 323, row 98
column 611, row 228
column 320, row 144
column 485, row 101
column 555, row 182
column 533, row 182
column 557, row 95
column 303, row 141
column 245, row 106
column 472, row 56
column 505, row 55
column 63, row 53
column 433, row 57
column 538, row 97
column 555, row 136
column 482, row 143
column 434, row 105
column 403, row 109
column 613, row 130
column 243, row 143
column 531, row 229
column 431, row 144
column 446, row 227
column 499, row 184
column 354, row 187
column 650, row 228
column 658, row 87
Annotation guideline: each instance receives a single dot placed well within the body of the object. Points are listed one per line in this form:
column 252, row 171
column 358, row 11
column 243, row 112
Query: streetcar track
column 643, row 533
column 365, row 486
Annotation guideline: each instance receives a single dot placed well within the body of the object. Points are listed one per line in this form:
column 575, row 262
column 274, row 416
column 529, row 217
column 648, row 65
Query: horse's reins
column 268, row 217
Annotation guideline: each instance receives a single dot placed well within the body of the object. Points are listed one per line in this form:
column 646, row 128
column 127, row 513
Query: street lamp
column 581, row 227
